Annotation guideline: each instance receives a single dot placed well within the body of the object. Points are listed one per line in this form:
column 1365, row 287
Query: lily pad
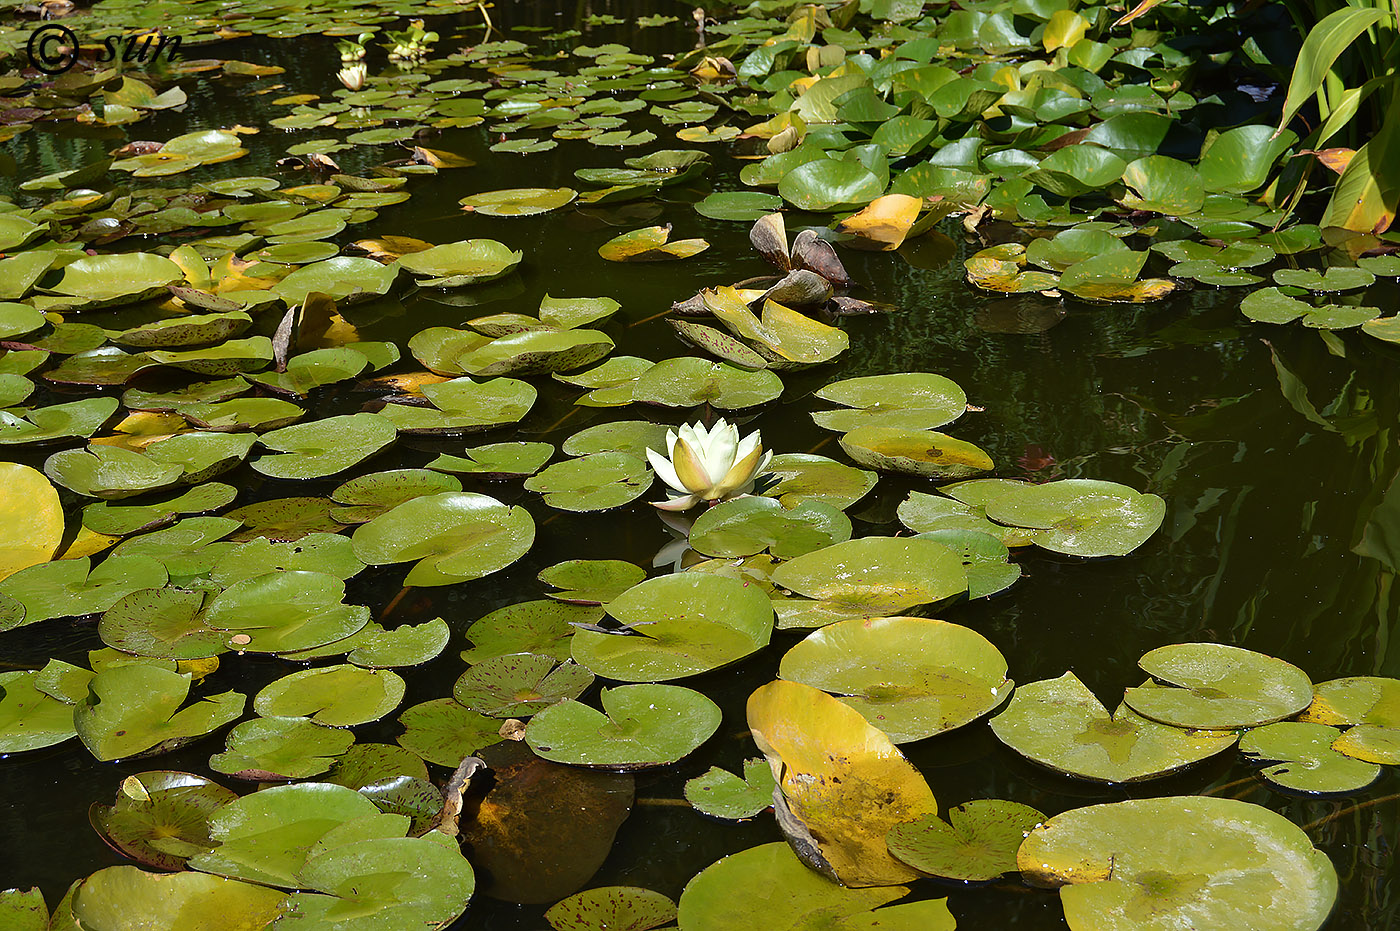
column 72, row 587
column 868, row 577
column 365, row 498
column 1060, row 724
column 977, row 843
column 519, row 684
column 1304, row 759
column 107, row 280
column 497, row 460
column 324, row 447
column 721, row 794
column 1219, row 686
column 444, row 732
column 124, row 896
column 456, row 264
column 284, row 612
column 591, row 581
column 641, row 726
column 455, row 537
column 910, row 677
column 518, row 202
column 805, row 477
column 633, row 437
column 339, row 696
column 75, row 419
column 31, row 518
column 528, row 627
column 161, row 818
column 749, row 525
column 271, row 749
column 652, row 244
column 1152, row 864
column 916, row 452
column 462, row 405
column 909, row 401
column 611, row 908
column 675, row 626
column 29, row 718
column 165, row 623
column 1082, row 517
column 596, row 482
column 134, row 710
column 688, row 381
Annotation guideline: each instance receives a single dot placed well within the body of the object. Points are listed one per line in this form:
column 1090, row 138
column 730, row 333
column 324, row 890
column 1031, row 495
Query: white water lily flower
column 708, row 465
column 353, row 76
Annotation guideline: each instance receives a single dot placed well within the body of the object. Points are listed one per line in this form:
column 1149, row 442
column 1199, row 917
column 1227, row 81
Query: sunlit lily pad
column 844, row 783
column 519, row 684
column 910, row 677
column 71, row 587
column 106, row 280
column 161, row 818
column 748, row 525
column 271, row 749
column 1152, row 864
column 805, row 477
column 1371, row 700
column 339, row 696
column 984, row 556
column 445, row 732
column 1082, row 517
column 456, row 264
column 134, row 710
column 688, row 381
column 591, row 581
column 652, row 244
column 31, row 518
column 124, row 896
column 29, row 718
column 721, row 794
column 365, row 498
column 977, row 843
column 324, row 447
column 916, row 452
column 454, row 536
column 770, row 878
column 1060, row 724
column 528, row 627
column 1304, row 760
column 633, row 437
column 595, row 482
column 75, row 419
column 283, row 612
column 641, row 726
column 677, row 625
column 518, row 202
column 911, row 401
column 537, row 351
column 925, row 513
column 1219, row 686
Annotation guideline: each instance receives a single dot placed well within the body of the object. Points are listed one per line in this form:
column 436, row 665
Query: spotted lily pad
column 721, row 794
column 916, row 452
column 910, row 677
column 1060, row 724
column 29, row 718
column 1152, row 864
column 284, row 612
column 166, row 623
column 611, row 908
column 641, row 726
column 135, row 709
column 161, row 818
column 591, row 581
column 677, row 625
column 977, row 843
column 1304, row 760
column 445, row 732
column 454, row 536
column 324, row 447
column 528, row 627
column 1218, row 686
column 519, row 684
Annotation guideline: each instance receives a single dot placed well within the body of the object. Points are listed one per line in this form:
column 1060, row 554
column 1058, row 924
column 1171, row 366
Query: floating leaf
column 1082, row 517
column 456, row 264
column 910, row 401
column 124, row 896
column 721, row 794
column 161, row 818
column 977, row 843
column 324, row 447
column 528, row 627
column 1219, row 687
column 518, row 202
column 611, row 908
column 868, row 577
column 591, row 581
column 916, row 452
column 518, row 685
column 805, row 477
column 749, row 525
column 365, row 498
column 595, row 482
column 339, row 696
column 455, row 537
column 131, row 710
column 283, row 612
column 1304, row 759
column 688, row 381
column 641, row 726
column 652, row 244
column 29, row 718
column 31, row 518
column 267, row 749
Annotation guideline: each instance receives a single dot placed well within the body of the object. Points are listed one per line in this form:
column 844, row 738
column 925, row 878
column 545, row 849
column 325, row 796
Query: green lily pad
column 1059, row 724
column 745, row 206
column 633, row 437
column 749, row 525
column 828, row 184
column 1304, row 759
column 339, row 696
column 591, row 581
column 675, row 626
column 805, row 477
column 283, row 520
column 1082, row 517
column 267, row 749
column 1371, row 743
column 925, row 513
column 611, row 908
column 1335, row 278
column 1219, row 686
column 19, row 319
column 135, row 710
column 641, row 726
column 612, row 381
column 462, row 405
column 30, row 719
column 365, row 498
column 688, row 381
column 324, row 447
column 1355, row 700
column 1270, row 305
column 1163, row 185
column 343, row 278
column 75, row 419
column 537, row 351
column 456, row 264
column 124, row 896
column 497, row 460
column 724, row 894
column 528, row 627
column 1154, row 864
column 867, row 577
column 519, row 684
column 721, row 794
column 911, row 677
column 650, row 244
column 909, row 401
column 518, row 202
column 161, row 818
column 977, row 843
column 916, row 452
column 284, row 612
column 444, row 732
column 984, row 556
column 165, row 623
column 596, row 482
column 72, row 587
column 108, row 280
column 367, row 764
column 311, row 370
column 455, row 537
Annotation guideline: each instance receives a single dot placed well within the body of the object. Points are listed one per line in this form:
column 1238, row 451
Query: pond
column 1272, row 446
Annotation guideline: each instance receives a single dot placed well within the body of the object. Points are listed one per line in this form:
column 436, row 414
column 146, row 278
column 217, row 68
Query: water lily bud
column 353, row 77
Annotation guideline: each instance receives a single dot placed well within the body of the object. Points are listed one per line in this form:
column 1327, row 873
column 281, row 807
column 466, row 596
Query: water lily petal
column 664, row 470
column 719, row 452
column 684, row 503
column 690, row 468
column 742, row 473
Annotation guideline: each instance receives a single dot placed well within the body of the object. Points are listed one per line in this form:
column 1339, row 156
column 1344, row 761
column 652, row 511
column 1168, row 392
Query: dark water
column 1271, row 447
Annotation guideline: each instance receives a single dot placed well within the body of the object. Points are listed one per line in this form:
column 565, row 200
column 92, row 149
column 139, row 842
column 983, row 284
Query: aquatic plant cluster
column 162, row 347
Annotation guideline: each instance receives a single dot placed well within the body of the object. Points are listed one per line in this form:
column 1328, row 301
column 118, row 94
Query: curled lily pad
column 652, row 244
column 977, row 843
column 1219, row 686
column 641, row 726
column 518, row 685
column 749, row 525
column 268, row 749
column 324, row 447
column 688, row 381
column 910, row 401
column 133, row 710
column 161, row 818
column 596, row 482
column 842, row 782
column 677, row 625
column 1304, row 760
column 1152, row 864
column 1059, row 724
column 456, row 264
column 910, row 677
column 721, row 794
column 723, row 896
column 1082, row 517
column 339, row 696
column 454, row 536
column 518, row 202
column 916, row 452
column 31, row 518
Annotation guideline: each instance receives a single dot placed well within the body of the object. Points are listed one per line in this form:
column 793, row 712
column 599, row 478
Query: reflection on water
column 1272, row 448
